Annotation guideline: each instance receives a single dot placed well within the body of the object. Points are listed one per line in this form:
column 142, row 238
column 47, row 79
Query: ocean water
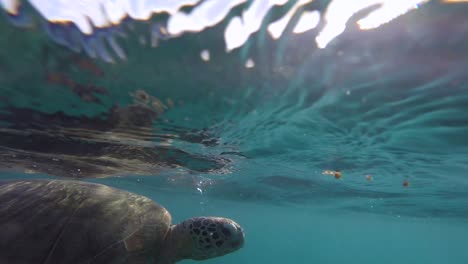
column 349, row 150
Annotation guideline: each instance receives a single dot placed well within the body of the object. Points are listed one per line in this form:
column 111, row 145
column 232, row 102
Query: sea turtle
column 70, row 221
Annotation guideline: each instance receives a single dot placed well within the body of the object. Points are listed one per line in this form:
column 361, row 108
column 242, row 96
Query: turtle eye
column 226, row 232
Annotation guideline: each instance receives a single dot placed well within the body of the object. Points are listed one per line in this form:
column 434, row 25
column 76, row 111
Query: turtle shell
column 60, row 221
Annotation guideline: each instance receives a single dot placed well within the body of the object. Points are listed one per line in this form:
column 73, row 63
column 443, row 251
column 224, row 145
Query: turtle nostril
column 229, row 229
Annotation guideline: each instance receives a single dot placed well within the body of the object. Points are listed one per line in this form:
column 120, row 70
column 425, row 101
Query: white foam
column 276, row 28
column 87, row 14
column 389, row 11
column 307, row 21
column 239, row 29
column 339, row 11
column 208, row 14
column 102, row 13
column 11, row 6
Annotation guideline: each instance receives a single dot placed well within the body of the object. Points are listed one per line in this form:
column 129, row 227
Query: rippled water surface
column 368, row 134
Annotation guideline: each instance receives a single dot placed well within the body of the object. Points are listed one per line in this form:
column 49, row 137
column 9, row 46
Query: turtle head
column 202, row 238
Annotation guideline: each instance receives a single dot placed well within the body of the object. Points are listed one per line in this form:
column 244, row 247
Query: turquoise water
column 385, row 107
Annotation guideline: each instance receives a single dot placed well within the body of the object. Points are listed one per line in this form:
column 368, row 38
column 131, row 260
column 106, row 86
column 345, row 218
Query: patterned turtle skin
column 66, row 221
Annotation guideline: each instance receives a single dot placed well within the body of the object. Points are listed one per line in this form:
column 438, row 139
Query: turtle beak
column 237, row 235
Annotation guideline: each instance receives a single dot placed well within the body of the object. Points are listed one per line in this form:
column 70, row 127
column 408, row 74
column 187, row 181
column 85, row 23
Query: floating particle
column 88, row 65
column 158, row 105
column 249, row 63
column 60, row 79
column 141, row 96
column 405, row 183
column 369, row 177
column 337, row 174
column 205, row 55
column 86, row 92
column 169, row 102
column 142, row 40
column 55, row 78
